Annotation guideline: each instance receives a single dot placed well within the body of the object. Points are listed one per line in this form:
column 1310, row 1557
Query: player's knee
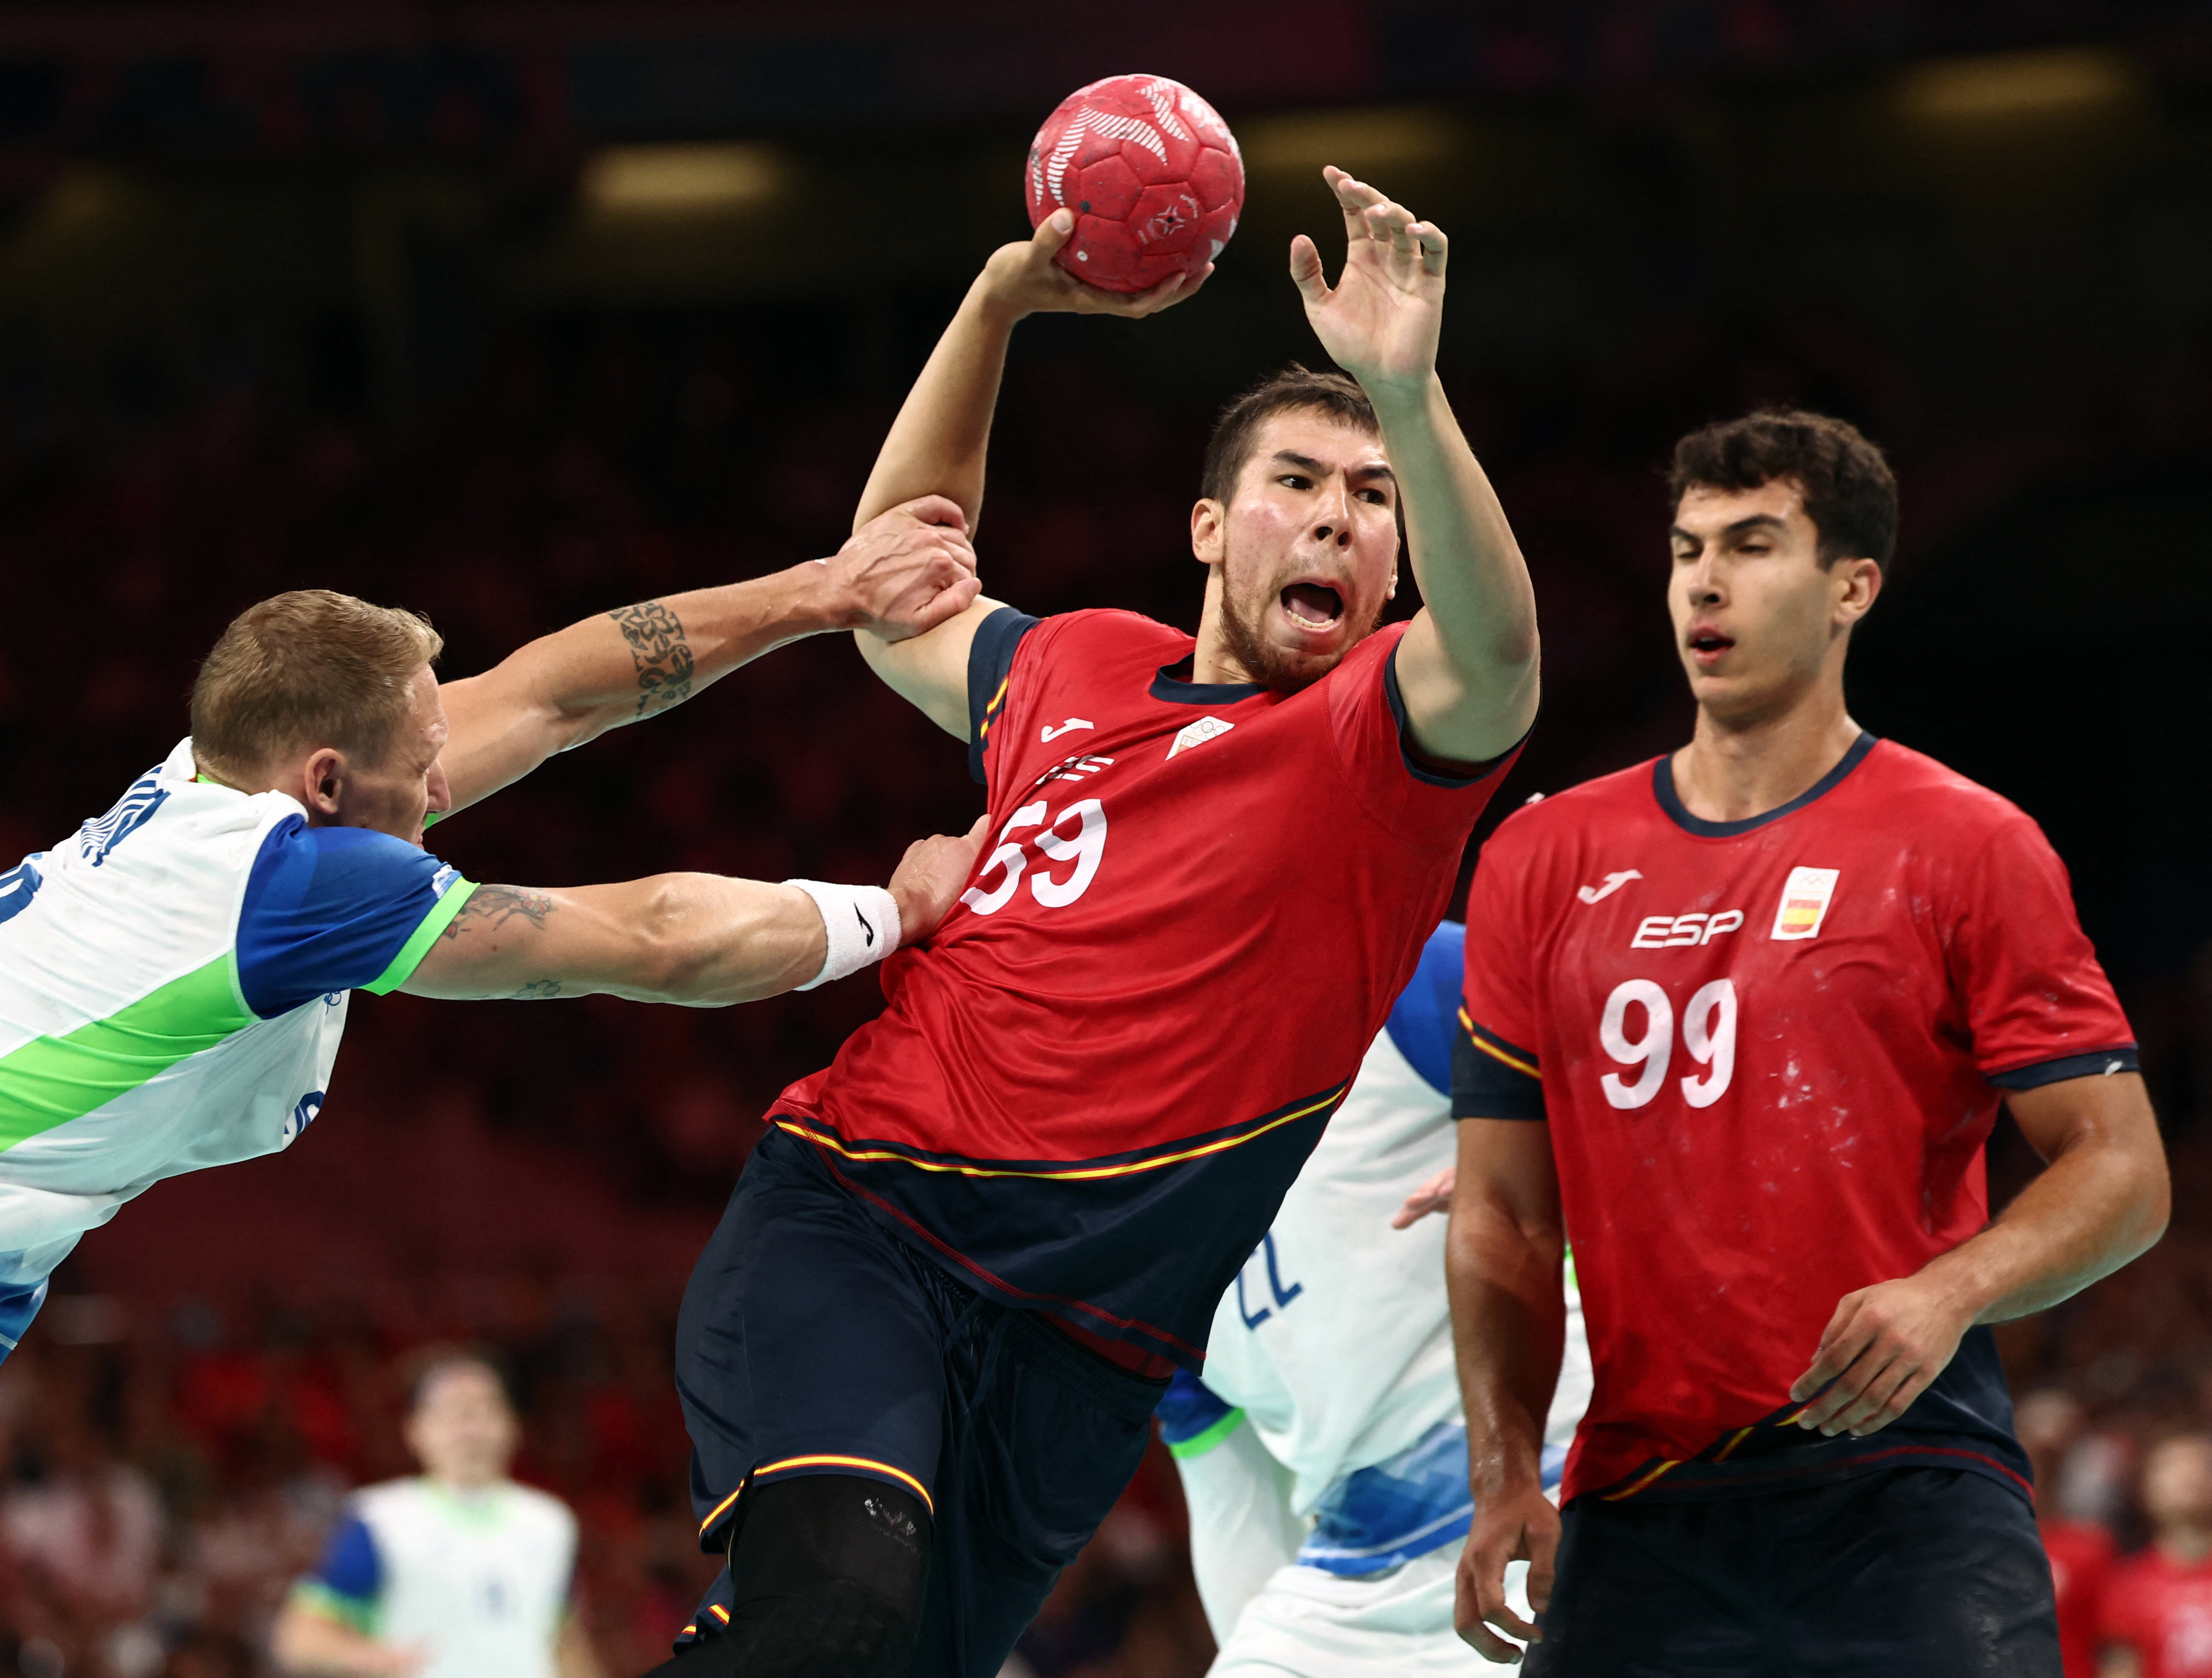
column 827, row 1572
column 841, row 1629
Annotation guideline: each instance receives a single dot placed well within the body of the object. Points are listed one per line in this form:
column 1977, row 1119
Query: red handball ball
column 1152, row 172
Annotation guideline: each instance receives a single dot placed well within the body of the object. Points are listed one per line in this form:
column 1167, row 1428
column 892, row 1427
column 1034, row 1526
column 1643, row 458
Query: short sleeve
column 1495, row 1072
column 1367, row 717
column 337, row 909
column 347, row 1581
column 990, row 668
column 1193, row 1417
column 1425, row 1019
column 2038, row 1005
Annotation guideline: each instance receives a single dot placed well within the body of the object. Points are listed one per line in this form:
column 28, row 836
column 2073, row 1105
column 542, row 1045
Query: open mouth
column 1312, row 605
column 1707, row 645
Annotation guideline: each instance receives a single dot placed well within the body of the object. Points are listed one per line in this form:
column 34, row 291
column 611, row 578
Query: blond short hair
column 305, row 670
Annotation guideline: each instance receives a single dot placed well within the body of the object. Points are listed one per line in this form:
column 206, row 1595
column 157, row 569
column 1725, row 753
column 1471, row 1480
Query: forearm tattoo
column 490, row 906
column 662, row 655
column 538, row 990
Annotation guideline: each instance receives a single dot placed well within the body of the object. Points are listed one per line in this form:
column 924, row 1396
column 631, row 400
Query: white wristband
column 862, row 922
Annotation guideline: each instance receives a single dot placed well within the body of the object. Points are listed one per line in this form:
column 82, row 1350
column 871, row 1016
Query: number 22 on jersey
column 1083, row 847
column 1708, row 1035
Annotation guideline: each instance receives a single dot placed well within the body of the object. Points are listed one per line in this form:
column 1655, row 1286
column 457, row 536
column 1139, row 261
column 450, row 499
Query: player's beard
column 1271, row 666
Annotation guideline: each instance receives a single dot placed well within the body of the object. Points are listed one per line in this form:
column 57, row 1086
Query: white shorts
column 1306, row 1623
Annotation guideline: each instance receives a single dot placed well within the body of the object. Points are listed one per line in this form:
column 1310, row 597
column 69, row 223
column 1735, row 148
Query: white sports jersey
column 174, row 981
column 1324, row 1455
column 1335, row 1340
column 478, row 1579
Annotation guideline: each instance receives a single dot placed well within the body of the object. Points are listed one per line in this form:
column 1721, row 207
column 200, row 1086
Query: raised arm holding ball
column 965, row 1258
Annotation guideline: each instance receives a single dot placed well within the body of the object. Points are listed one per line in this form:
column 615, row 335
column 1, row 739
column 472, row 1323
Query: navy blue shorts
column 1909, row 1573
column 813, row 1340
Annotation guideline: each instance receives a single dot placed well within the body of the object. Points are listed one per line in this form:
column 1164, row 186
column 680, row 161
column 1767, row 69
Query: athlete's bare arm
column 701, row 939
column 572, row 1654
column 939, row 442
column 1467, row 666
column 905, row 570
column 2103, row 1199
column 313, row 1645
column 1504, row 1256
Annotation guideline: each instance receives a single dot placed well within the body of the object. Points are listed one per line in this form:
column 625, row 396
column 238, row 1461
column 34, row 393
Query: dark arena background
column 514, row 313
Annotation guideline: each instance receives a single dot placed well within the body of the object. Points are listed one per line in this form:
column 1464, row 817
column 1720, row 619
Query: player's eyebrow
column 1741, row 527
column 1307, row 464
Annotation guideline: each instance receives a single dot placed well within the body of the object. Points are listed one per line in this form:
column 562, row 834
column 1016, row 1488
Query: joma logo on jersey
column 1664, row 931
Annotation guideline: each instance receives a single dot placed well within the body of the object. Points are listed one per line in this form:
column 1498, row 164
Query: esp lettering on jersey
column 1769, row 1053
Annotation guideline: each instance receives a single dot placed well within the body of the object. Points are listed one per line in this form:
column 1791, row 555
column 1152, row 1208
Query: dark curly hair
column 1850, row 493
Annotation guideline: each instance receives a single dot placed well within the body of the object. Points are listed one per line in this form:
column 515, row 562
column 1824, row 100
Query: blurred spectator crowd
column 167, row 1479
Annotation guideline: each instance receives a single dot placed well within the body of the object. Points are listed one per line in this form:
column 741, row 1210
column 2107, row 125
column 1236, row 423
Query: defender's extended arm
column 905, row 571
column 1504, row 1258
column 937, row 445
column 700, row 939
column 1467, row 666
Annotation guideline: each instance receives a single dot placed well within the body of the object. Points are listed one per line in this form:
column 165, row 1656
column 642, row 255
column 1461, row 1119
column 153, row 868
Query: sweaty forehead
column 1321, row 437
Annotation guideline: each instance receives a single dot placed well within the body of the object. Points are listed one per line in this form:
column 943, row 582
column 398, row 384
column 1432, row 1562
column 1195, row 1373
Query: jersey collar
column 1663, row 788
column 1170, row 686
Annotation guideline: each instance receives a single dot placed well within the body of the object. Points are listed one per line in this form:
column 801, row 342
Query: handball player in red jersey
column 1737, row 1024
column 920, row 1358
column 2158, row 1606
column 2049, row 1422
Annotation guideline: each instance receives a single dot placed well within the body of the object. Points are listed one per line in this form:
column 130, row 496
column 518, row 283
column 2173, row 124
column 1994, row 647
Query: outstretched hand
column 1380, row 320
column 1022, row 278
column 930, row 877
column 907, row 570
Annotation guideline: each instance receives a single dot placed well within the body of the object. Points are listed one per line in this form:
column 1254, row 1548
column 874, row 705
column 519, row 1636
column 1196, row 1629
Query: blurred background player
column 920, row 1358
column 2049, row 1423
column 2158, row 1605
column 1744, row 1014
column 458, row 1573
column 1323, row 1457
column 174, row 974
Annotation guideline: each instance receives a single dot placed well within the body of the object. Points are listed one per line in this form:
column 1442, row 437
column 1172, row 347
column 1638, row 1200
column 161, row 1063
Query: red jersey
column 1092, row 1086
column 1769, row 1052
column 2080, row 1554
column 2162, row 1610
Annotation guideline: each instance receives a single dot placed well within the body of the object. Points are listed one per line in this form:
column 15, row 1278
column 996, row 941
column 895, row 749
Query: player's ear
column 322, row 781
column 1858, row 583
column 1209, row 530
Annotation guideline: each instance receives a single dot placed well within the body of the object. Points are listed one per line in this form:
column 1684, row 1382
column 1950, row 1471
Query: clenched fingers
column 1478, row 1598
column 927, row 510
